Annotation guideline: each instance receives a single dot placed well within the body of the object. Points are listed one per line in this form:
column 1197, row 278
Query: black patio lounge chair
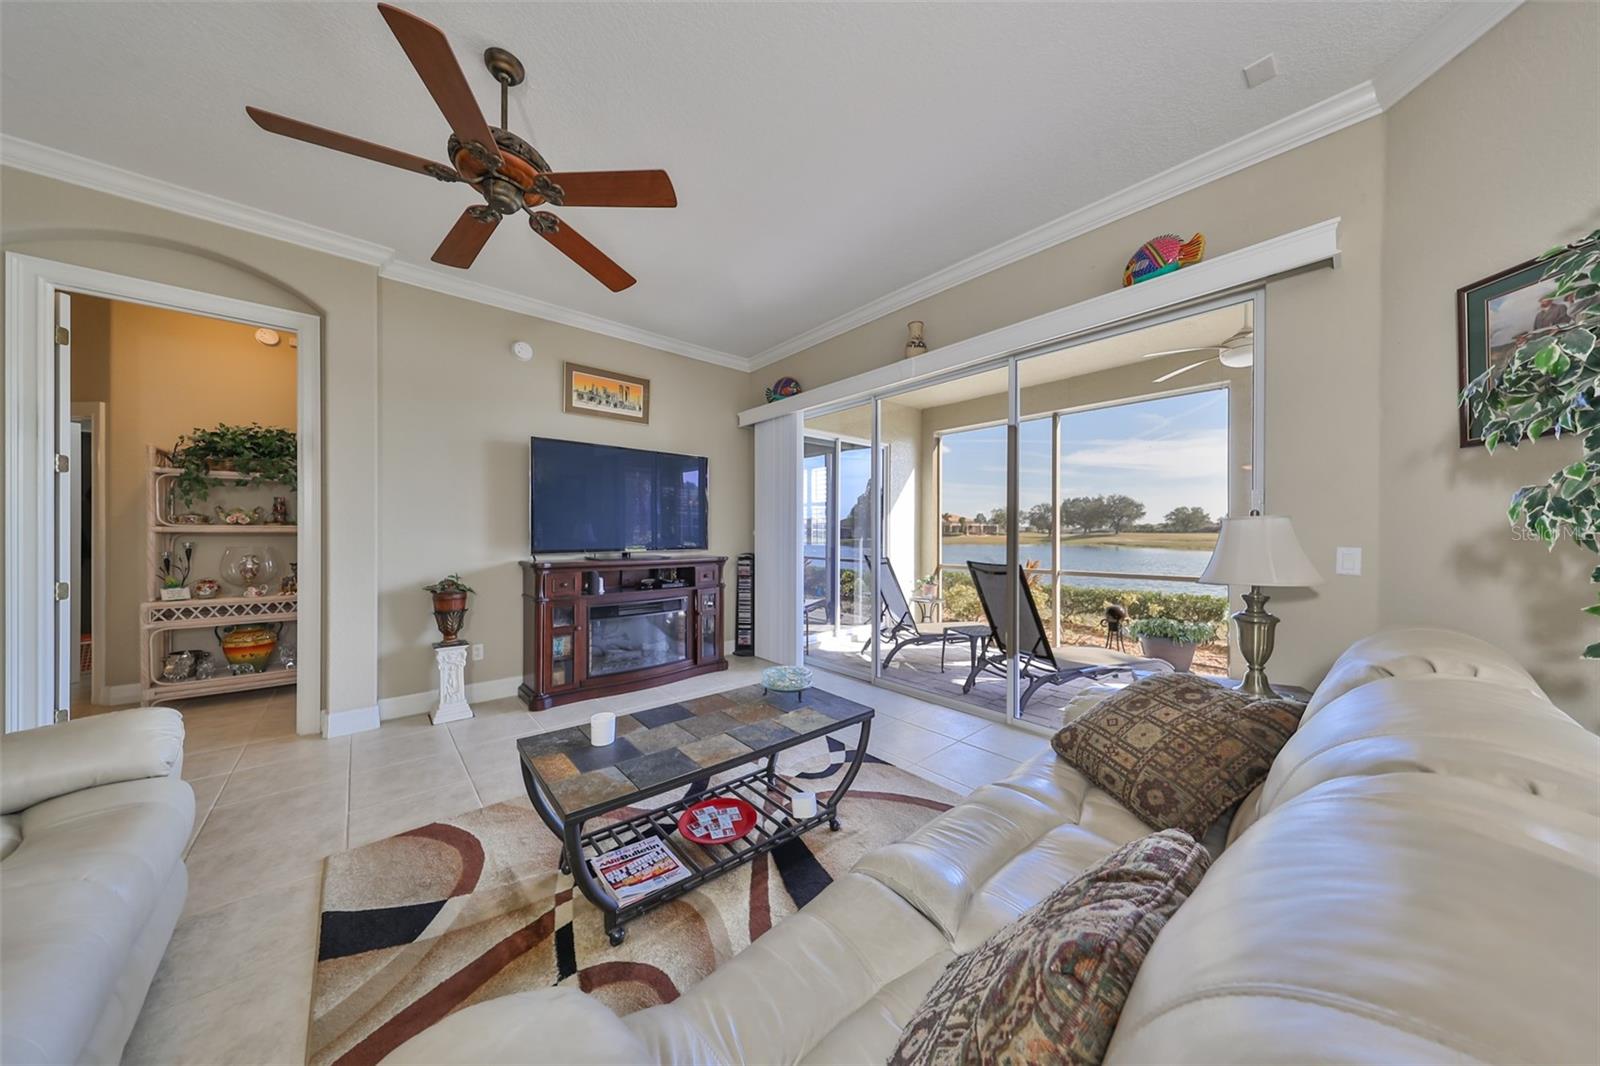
column 898, row 627
column 1037, row 664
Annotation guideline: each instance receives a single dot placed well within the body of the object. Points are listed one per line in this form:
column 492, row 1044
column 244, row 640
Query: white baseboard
column 115, row 695
column 353, row 720
column 424, row 702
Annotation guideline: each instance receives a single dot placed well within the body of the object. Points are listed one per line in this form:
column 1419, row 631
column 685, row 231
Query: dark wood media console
column 593, row 627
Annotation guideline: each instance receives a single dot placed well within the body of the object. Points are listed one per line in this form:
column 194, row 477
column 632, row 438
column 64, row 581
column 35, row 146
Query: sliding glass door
column 1041, row 517
column 945, row 529
column 836, row 538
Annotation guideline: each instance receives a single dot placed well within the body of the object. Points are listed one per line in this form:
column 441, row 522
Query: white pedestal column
column 452, row 662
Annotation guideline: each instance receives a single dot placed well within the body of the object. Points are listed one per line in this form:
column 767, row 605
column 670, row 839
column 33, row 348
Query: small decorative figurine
column 915, row 345
column 280, row 510
column 238, row 516
column 782, row 389
column 1112, row 623
column 290, row 585
column 1162, row 255
column 175, row 575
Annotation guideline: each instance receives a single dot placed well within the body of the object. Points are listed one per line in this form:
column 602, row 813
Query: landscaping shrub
column 1087, row 605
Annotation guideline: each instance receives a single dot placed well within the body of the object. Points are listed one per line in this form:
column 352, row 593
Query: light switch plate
column 1347, row 561
column 477, row 652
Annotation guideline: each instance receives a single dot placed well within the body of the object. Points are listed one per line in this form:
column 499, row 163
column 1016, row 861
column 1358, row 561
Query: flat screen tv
column 597, row 498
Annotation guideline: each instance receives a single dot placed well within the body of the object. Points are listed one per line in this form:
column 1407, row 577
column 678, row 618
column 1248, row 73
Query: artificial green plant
column 256, row 453
column 1550, row 385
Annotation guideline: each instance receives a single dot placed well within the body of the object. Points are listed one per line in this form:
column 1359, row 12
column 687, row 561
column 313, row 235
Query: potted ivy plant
column 449, row 605
column 1171, row 640
column 1550, row 385
column 255, row 452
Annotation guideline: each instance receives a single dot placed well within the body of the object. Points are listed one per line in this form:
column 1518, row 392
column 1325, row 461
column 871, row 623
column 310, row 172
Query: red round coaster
column 741, row 819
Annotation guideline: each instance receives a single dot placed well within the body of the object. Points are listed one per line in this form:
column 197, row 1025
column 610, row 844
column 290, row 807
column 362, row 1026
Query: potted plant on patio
column 1171, row 640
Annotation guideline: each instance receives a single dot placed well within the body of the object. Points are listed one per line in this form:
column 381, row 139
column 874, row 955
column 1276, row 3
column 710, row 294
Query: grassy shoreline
column 1181, row 541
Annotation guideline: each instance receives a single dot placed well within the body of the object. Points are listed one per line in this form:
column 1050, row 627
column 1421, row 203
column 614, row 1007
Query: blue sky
column 1165, row 453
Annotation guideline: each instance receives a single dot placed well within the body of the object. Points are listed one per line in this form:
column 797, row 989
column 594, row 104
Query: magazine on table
column 638, row 869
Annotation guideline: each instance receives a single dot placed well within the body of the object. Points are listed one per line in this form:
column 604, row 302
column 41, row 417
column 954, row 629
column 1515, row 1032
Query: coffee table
column 572, row 782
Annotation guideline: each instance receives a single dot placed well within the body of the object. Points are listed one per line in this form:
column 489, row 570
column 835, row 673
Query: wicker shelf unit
column 160, row 619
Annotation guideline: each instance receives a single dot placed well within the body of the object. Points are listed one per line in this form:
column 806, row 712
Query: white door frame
column 93, row 413
column 31, row 286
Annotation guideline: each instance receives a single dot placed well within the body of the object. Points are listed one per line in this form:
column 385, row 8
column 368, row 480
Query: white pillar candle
column 602, row 728
column 804, row 805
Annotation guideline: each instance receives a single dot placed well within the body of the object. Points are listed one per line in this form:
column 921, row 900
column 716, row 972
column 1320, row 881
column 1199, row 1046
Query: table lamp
column 1258, row 550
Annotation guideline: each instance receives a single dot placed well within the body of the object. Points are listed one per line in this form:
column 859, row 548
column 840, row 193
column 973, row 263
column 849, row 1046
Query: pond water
column 1179, row 562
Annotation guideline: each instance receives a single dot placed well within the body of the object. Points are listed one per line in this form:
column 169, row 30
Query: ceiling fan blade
column 574, row 247
column 343, row 142
column 1183, row 351
column 465, row 239
column 1169, row 375
column 612, row 188
column 429, row 51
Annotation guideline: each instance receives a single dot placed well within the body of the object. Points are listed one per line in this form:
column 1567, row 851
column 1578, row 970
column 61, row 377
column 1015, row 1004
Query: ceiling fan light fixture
column 1237, row 358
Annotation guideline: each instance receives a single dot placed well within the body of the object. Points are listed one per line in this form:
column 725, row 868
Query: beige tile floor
column 235, row 986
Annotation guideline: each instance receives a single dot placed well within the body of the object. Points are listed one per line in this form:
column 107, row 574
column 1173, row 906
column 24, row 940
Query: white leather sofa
column 94, row 818
column 1417, row 880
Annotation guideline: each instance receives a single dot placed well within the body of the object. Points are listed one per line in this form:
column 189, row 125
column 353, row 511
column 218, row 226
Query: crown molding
column 102, row 177
column 1331, row 115
column 455, row 285
column 1452, row 35
column 1226, row 276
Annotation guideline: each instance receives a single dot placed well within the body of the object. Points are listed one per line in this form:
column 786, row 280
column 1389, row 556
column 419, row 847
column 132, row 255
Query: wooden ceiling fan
column 506, row 170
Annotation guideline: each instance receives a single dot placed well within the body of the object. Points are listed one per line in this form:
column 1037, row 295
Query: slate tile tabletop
column 693, row 739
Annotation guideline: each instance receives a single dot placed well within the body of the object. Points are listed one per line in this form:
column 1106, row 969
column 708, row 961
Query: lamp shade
column 1259, row 550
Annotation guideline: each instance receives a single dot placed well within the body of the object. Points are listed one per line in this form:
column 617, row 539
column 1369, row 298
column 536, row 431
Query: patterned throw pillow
column 1178, row 750
column 1048, row 988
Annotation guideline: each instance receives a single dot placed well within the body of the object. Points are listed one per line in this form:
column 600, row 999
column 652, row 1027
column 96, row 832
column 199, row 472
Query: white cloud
column 1201, row 456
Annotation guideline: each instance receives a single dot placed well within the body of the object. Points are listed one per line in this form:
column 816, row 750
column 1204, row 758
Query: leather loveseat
column 1417, row 880
column 94, row 818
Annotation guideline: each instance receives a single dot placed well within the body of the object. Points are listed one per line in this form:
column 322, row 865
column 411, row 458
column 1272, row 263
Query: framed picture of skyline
column 605, row 393
column 1494, row 316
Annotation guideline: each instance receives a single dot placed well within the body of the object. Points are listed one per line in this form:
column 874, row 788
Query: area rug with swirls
column 473, row 907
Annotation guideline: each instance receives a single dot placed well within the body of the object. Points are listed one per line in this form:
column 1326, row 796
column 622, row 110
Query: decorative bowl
column 786, row 678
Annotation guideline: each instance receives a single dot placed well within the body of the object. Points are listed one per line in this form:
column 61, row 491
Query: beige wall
column 161, row 374
column 1462, row 204
column 404, row 501
column 1321, row 407
column 54, row 220
column 1495, row 158
column 457, row 412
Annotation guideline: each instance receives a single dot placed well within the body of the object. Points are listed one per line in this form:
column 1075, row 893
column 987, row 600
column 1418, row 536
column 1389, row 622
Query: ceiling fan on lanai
column 503, row 168
column 1237, row 352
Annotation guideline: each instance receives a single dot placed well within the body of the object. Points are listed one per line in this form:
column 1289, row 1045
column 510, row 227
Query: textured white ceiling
column 823, row 154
